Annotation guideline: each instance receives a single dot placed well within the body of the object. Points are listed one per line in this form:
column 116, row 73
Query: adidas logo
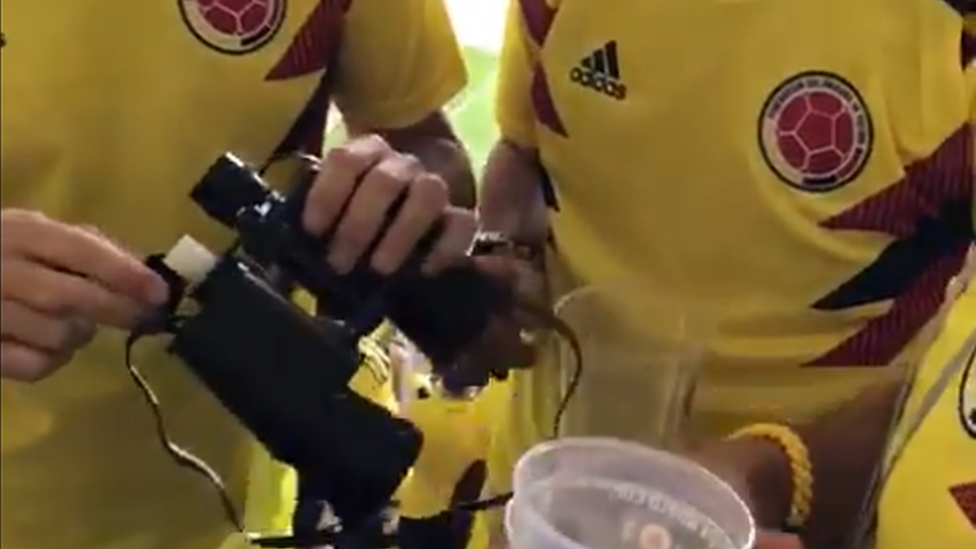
column 599, row 71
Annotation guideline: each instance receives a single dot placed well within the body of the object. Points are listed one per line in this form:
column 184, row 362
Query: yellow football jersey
column 112, row 110
column 929, row 499
column 799, row 174
column 452, row 466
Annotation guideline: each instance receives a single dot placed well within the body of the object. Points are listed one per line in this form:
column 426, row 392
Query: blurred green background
column 471, row 111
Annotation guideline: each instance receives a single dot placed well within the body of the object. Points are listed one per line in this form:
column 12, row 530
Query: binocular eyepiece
column 228, row 188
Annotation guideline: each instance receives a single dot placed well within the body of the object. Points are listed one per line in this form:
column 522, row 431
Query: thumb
column 152, row 287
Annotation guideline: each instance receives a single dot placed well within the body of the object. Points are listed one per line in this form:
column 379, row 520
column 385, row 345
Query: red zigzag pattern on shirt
column 315, row 43
column 965, row 496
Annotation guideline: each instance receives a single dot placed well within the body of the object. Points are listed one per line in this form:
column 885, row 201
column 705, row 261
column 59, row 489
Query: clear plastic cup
column 641, row 354
column 593, row 493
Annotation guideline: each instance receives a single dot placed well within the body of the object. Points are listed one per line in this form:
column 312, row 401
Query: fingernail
column 156, row 291
column 381, row 265
column 340, row 264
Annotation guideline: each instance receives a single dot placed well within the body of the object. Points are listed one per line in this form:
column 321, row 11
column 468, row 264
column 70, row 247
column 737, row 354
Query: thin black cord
column 574, row 380
column 182, row 457
column 333, row 536
column 576, row 350
column 971, row 368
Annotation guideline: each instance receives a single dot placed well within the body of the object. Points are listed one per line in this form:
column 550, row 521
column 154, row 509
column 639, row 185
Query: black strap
column 451, row 529
column 548, row 189
column 314, row 115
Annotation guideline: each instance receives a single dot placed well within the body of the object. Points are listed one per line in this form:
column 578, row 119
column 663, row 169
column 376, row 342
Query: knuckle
column 342, row 155
column 18, row 221
column 386, row 173
column 465, row 223
column 395, row 172
column 376, row 143
column 410, row 163
column 48, row 299
column 433, row 189
column 360, row 151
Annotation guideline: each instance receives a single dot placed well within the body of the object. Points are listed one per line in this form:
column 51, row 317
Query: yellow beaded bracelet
column 801, row 468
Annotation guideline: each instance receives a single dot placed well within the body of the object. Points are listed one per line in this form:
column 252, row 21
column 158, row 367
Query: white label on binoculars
column 605, row 514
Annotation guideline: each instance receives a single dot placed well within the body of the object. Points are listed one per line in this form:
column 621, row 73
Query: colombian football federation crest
column 967, row 396
column 233, row 27
column 815, row 131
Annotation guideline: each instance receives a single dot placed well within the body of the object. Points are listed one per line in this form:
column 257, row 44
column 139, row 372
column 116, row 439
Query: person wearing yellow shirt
column 917, row 480
column 452, row 466
column 799, row 175
column 112, row 110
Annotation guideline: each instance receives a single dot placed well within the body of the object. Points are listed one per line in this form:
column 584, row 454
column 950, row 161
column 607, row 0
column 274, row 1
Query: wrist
column 527, row 256
column 759, row 471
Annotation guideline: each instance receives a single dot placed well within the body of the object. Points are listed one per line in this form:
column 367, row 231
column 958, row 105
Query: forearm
column 434, row 143
column 447, row 158
column 845, row 447
column 511, row 199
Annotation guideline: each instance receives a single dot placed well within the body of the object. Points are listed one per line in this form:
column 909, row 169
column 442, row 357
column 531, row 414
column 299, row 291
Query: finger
column 23, row 363
column 66, row 295
column 460, row 226
column 40, row 331
column 426, row 199
column 93, row 230
column 34, row 236
column 368, row 209
column 340, row 171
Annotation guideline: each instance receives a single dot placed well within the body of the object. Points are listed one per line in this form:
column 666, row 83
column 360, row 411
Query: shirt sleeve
column 399, row 62
column 513, row 97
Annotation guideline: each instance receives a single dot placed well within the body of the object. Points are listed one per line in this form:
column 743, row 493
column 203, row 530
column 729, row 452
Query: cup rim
column 694, row 323
column 535, row 517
